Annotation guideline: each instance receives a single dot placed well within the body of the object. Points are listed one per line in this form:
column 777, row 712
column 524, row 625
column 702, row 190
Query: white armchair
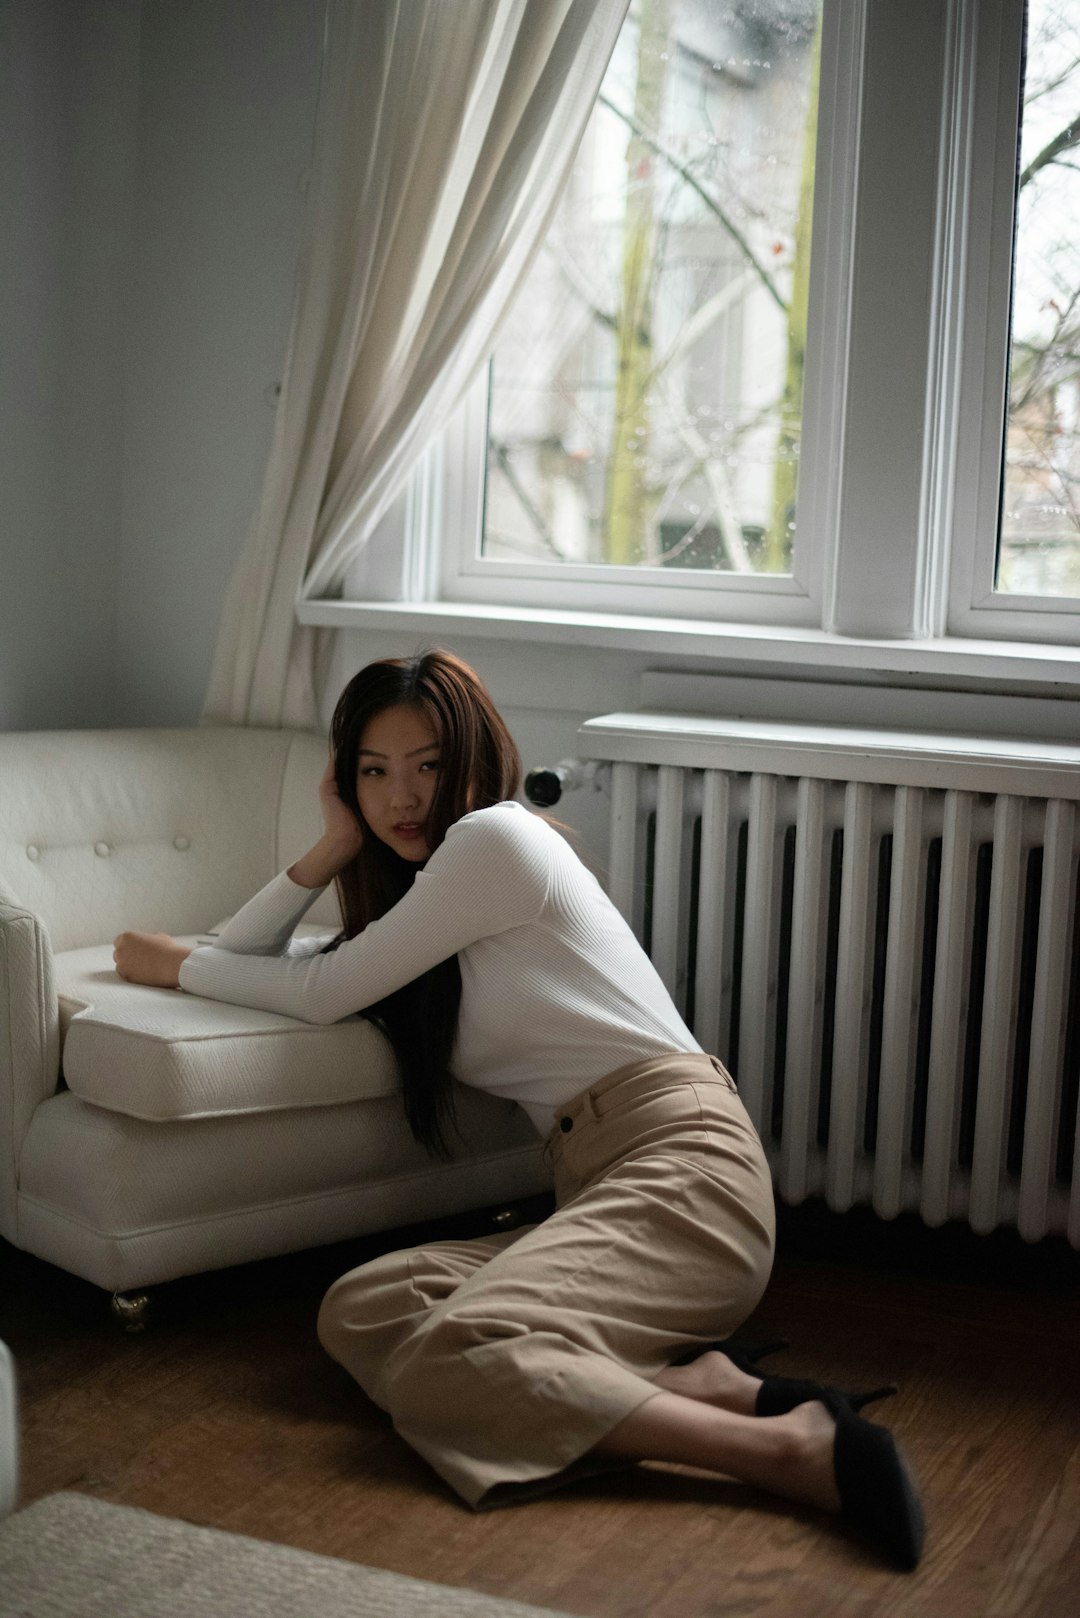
column 147, row 1134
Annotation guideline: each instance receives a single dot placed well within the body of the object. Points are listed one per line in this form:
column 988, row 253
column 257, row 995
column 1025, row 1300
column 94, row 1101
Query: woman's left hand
column 152, row 958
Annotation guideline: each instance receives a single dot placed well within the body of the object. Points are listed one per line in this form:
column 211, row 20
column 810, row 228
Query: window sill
column 1050, row 670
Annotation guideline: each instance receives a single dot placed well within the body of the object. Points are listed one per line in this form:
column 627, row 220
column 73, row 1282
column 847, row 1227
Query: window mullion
column 879, row 584
column 945, row 371
column 829, row 314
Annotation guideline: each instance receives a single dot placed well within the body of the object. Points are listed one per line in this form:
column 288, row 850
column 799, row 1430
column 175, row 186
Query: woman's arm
column 264, row 926
column 490, row 874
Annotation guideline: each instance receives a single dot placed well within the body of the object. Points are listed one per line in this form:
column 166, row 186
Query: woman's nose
column 403, row 795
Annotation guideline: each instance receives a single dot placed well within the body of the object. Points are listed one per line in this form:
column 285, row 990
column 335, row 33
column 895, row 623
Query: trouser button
column 566, row 1125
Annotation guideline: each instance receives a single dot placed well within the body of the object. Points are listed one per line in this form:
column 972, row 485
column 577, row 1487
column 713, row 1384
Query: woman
column 479, row 940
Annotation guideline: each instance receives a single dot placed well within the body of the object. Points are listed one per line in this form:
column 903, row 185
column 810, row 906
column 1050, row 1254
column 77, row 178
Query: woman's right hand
column 340, row 843
column 343, row 830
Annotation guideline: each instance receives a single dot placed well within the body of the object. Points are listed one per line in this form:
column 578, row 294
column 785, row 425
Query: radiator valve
column 545, row 785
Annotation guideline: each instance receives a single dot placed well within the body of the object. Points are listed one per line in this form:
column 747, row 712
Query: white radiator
column 878, row 934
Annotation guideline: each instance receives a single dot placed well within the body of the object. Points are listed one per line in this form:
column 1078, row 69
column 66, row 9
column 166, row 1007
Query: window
column 645, row 398
column 863, row 473
column 1039, row 541
column 1016, row 546
column 644, row 403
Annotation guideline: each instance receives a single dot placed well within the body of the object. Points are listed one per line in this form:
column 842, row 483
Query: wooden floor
column 227, row 1413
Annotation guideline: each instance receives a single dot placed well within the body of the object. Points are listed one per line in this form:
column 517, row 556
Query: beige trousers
column 505, row 1359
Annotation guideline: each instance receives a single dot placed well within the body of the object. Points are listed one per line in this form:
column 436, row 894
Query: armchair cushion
column 161, row 1055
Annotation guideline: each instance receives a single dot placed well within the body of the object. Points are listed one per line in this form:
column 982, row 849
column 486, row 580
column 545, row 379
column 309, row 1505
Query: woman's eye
column 430, row 764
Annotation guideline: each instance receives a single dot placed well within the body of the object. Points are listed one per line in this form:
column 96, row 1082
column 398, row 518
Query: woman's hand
column 343, row 831
column 152, row 958
column 340, row 843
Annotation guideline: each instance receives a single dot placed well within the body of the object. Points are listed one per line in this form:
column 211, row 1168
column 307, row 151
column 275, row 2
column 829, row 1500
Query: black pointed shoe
column 779, row 1394
column 744, row 1355
column 877, row 1492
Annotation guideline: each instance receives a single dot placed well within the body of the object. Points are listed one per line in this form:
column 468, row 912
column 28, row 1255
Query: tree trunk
column 778, row 540
column 628, row 498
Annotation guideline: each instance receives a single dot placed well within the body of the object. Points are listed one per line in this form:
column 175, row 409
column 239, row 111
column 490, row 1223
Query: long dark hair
column 478, row 766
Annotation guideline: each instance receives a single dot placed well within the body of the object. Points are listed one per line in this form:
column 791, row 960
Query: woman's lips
column 408, row 829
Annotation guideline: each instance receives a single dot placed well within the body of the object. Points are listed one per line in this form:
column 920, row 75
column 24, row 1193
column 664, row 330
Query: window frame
column 909, row 558
column 787, row 600
column 987, row 100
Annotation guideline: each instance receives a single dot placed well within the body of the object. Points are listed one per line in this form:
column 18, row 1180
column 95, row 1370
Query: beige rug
column 70, row 1556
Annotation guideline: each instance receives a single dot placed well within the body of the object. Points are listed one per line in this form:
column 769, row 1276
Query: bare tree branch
column 574, row 277
column 686, row 541
column 702, row 318
column 502, row 456
column 1051, row 85
column 1063, row 141
column 714, row 207
column 1044, row 357
column 726, row 515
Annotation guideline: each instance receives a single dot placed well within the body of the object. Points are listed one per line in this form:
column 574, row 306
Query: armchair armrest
column 9, row 1434
column 29, row 1040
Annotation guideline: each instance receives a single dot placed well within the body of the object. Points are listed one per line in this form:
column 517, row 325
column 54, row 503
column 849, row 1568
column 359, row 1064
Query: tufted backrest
column 155, row 830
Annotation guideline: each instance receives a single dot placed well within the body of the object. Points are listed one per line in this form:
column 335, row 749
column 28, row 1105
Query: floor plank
column 227, row 1413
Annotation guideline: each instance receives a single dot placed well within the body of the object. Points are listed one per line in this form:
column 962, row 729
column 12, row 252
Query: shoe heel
column 859, row 1401
column 743, row 1355
column 747, row 1355
column 779, row 1394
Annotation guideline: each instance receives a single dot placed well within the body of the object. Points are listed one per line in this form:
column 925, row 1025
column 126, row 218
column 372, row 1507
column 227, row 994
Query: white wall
column 68, row 94
column 152, row 164
column 228, row 93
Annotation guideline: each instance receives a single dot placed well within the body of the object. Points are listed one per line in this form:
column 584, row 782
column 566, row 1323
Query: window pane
column 646, row 400
column 1039, row 551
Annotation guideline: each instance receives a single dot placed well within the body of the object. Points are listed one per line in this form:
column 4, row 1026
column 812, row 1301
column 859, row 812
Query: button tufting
column 103, row 849
column 181, row 843
column 33, row 852
column 566, row 1125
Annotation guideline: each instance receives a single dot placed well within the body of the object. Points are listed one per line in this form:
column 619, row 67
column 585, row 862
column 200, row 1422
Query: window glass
column 1039, row 548
column 646, row 393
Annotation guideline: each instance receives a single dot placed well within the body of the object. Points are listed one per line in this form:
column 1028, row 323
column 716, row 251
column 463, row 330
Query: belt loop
column 594, row 1106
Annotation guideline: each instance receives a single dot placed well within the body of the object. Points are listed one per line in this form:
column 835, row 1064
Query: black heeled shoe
column 743, row 1355
column 779, row 1394
column 877, row 1492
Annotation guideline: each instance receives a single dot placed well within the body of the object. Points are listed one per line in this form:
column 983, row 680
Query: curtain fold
column 444, row 136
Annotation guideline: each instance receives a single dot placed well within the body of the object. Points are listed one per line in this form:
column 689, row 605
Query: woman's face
column 396, row 774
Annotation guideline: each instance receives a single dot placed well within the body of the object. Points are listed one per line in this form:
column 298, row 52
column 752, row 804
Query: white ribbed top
column 555, row 989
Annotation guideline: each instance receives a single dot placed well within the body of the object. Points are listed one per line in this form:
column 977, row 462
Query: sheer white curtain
column 445, row 131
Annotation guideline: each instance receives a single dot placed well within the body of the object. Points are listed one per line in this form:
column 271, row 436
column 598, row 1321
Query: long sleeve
column 265, row 925
column 489, row 875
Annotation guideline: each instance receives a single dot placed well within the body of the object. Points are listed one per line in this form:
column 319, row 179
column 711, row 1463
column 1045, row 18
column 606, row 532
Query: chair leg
column 130, row 1310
